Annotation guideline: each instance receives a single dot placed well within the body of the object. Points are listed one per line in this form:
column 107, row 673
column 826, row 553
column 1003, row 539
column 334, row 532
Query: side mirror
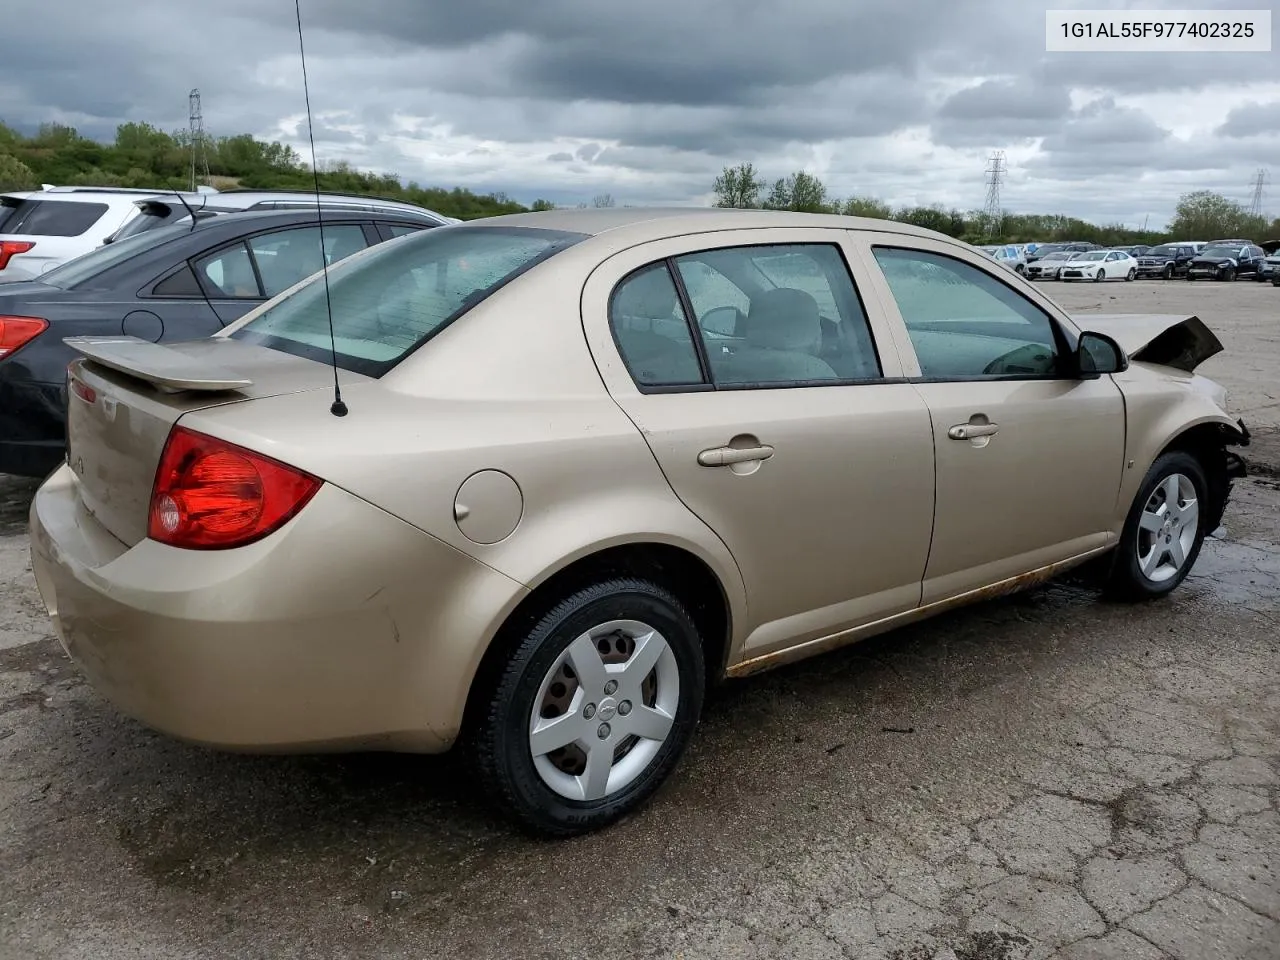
column 1098, row 354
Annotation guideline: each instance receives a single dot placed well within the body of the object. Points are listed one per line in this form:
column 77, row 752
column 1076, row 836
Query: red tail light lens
column 212, row 495
column 11, row 248
column 18, row 331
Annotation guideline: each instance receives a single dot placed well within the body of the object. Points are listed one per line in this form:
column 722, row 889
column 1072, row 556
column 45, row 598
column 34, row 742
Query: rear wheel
column 1164, row 530
column 593, row 708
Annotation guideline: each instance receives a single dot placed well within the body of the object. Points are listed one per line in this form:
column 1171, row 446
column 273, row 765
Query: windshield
column 1094, row 255
column 1163, row 251
column 86, row 267
column 1220, row 251
column 390, row 301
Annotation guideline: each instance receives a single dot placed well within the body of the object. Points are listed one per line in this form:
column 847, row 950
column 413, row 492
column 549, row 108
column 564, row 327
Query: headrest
column 784, row 319
column 649, row 293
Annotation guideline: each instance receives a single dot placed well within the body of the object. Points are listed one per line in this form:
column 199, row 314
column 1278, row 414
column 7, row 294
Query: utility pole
column 1259, row 182
column 992, row 212
column 199, row 154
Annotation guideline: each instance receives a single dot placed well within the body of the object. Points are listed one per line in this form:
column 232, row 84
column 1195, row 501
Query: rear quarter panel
column 510, row 387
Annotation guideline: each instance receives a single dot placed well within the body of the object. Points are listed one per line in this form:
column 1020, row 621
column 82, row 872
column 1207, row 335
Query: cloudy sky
column 566, row 99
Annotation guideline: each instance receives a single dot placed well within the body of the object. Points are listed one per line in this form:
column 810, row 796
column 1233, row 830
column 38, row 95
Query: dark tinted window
column 401, row 229
column 180, row 284
column 55, row 218
column 8, row 207
column 392, row 300
column 148, row 219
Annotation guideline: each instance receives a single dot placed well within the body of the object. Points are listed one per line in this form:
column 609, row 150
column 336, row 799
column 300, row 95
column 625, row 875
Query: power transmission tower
column 199, row 153
column 1259, row 182
column 992, row 213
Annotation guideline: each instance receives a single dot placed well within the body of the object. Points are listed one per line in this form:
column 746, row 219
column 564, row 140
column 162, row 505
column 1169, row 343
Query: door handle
column 968, row 431
column 726, row 456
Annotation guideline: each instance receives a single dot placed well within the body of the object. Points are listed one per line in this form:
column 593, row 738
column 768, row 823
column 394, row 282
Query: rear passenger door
column 770, row 400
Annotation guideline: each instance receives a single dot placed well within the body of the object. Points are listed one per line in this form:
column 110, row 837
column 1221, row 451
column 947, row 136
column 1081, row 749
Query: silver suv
column 161, row 209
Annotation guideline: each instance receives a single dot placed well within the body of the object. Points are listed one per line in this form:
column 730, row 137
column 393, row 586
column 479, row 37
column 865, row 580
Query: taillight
column 19, row 331
column 11, row 248
column 210, row 494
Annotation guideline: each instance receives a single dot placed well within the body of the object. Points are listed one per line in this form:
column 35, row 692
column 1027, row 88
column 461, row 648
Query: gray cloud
column 569, row 98
column 1252, row 119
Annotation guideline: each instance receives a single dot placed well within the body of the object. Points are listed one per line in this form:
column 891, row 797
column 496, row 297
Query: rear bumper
column 346, row 629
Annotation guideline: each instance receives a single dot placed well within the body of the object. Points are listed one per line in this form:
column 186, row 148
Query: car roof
column 654, row 223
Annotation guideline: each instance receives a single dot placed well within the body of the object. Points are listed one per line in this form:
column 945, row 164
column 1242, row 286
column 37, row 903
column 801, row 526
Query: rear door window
column 287, row 256
column 54, row 218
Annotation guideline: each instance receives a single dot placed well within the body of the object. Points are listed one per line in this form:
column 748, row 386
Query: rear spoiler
column 157, row 364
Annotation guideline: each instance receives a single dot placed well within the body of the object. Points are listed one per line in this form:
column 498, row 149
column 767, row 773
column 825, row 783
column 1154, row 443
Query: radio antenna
column 337, row 408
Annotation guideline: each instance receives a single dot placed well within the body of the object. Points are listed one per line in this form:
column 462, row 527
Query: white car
column 42, row 229
column 1101, row 265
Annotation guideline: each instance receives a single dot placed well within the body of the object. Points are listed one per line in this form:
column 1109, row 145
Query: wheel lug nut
column 589, row 710
column 603, row 731
column 624, row 708
column 611, row 686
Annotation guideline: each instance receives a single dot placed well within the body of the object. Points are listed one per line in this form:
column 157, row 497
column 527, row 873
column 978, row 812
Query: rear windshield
column 84, row 268
column 53, row 218
column 393, row 299
column 8, row 207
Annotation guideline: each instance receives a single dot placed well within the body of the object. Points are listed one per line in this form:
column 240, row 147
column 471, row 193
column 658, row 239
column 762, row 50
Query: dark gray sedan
column 172, row 283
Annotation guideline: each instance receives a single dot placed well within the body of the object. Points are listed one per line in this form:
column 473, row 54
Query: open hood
column 1170, row 339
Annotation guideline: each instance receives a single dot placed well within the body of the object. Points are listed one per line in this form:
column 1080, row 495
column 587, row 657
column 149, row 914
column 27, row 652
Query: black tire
column 499, row 741
column 1133, row 272
column 1126, row 581
column 1168, row 271
column 1100, row 276
column 1229, row 273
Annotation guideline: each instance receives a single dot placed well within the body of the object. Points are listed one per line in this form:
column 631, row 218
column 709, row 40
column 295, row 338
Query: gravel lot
column 1046, row 775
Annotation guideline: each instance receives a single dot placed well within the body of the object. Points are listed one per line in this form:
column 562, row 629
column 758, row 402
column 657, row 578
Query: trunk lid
column 125, row 394
column 1172, row 340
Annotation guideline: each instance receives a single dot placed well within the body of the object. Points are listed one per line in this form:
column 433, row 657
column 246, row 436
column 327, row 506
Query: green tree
column 801, row 191
column 738, row 186
column 540, row 205
column 1205, row 215
column 866, row 207
column 15, row 175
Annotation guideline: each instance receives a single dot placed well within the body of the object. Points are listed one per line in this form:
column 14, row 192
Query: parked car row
column 1228, row 259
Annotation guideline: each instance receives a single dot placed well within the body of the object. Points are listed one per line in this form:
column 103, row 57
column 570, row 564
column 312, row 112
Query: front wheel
column 1133, row 272
column 1100, row 276
column 1164, row 531
column 1229, row 273
column 592, row 709
column 1168, row 271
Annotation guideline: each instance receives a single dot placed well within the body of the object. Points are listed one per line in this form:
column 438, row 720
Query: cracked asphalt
column 1048, row 775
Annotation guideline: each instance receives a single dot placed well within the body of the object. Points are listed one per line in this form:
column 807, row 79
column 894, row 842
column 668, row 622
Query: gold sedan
column 584, row 463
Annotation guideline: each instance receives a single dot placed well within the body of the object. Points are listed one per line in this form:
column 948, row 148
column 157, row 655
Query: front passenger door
column 1029, row 456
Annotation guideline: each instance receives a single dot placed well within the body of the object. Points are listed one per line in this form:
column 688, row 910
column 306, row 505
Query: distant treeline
column 143, row 156
column 1202, row 215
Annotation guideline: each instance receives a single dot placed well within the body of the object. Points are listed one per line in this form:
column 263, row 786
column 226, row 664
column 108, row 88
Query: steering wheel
column 1031, row 358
